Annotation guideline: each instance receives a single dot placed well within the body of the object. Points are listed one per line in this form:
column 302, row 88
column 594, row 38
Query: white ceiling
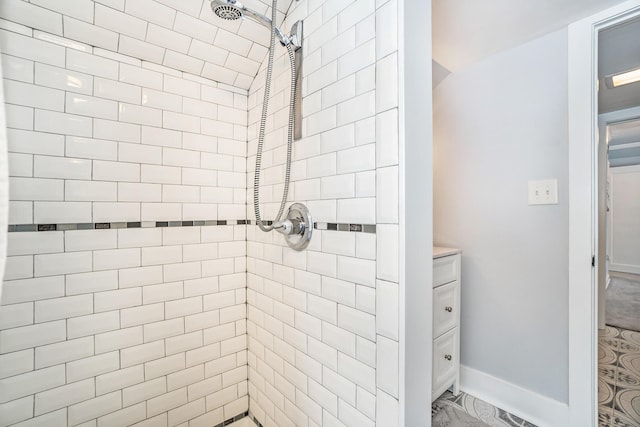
column 465, row 31
column 180, row 34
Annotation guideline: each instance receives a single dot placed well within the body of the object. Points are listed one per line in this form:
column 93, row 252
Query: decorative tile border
column 116, row 225
column 255, row 420
column 233, row 419
column 358, row 228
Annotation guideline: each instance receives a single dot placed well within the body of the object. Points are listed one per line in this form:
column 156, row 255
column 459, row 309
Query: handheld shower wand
column 297, row 226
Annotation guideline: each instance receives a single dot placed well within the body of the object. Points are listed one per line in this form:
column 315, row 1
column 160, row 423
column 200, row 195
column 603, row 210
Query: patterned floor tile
column 627, row 379
column 628, row 402
column 608, row 331
column 606, row 393
column 618, row 378
column 608, row 374
column 627, row 346
column 606, row 356
column 631, row 336
column 605, row 415
column 630, row 361
column 489, row 414
column 619, row 419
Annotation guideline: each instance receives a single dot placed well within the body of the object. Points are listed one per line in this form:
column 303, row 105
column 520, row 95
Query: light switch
column 543, row 192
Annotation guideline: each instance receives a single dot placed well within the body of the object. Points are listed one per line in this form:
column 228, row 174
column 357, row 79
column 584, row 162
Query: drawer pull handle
column 448, row 309
column 447, row 356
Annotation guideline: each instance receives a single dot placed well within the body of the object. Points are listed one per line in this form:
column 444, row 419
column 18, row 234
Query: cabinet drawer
column 445, row 269
column 445, row 361
column 446, row 307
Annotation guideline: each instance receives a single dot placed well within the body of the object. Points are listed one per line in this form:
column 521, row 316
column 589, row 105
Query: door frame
column 583, row 186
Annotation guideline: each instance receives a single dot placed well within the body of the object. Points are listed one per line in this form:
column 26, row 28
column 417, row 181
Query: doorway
column 585, row 261
column 618, row 224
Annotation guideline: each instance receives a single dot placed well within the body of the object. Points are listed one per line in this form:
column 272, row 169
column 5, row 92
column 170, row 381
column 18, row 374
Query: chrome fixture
column 231, row 10
column 297, row 227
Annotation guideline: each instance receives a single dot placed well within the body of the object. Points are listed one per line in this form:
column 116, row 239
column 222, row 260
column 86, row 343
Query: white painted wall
column 497, row 124
column 416, row 218
column 625, row 219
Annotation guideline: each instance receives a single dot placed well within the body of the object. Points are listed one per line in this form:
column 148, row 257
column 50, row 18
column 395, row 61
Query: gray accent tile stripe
column 233, row 419
column 255, row 420
column 358, row 228
column 120, row 224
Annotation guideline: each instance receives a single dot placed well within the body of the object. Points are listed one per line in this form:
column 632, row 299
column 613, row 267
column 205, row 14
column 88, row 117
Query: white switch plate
column 543, row 192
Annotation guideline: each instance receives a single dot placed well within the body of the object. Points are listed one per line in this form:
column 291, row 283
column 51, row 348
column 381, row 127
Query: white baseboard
column 526, row 404
column 625, row 268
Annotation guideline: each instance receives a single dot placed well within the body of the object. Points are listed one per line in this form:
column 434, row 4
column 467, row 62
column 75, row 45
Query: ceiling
column 180, row 34
column 465, row 31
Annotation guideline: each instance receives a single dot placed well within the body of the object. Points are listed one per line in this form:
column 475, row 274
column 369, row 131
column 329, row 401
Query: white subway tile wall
column 323, row 344
column 184, row 36
column 113, row 327
column 193, row 325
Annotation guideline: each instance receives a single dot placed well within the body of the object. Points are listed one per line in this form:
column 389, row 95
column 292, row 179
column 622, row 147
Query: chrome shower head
column 229, row 10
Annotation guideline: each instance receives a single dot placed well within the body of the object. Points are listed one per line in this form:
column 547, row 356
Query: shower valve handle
column 289, row 227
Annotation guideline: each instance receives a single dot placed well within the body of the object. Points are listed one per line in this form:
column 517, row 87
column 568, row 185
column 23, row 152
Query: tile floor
column 618, row 378
column 489, row 414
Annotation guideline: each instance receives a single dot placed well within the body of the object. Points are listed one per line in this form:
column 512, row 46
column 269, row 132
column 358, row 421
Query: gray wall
column 498, row 124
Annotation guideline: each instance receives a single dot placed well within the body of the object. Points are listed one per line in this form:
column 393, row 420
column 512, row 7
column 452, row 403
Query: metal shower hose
column 263, row 121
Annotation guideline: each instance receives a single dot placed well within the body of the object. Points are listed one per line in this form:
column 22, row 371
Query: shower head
column 226, row 11
column 231, row 10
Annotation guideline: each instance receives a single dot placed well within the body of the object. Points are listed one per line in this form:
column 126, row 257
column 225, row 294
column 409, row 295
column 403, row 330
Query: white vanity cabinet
column 446, row 321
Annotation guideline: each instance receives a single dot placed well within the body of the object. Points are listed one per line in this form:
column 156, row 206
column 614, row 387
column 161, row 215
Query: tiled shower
column 138, row 290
